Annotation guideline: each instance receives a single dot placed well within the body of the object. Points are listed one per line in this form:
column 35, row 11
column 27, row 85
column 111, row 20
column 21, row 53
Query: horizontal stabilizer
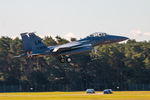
column 22, row 55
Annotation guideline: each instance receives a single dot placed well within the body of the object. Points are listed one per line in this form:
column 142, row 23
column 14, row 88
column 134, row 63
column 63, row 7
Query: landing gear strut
column 64, row 58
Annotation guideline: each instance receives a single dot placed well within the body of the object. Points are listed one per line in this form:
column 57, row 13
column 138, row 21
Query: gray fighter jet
column 34, row 47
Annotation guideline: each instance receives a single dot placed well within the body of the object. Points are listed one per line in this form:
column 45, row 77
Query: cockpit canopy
column 98, row 34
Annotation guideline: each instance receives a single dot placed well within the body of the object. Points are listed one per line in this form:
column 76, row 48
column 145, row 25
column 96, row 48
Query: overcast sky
column 75, row 18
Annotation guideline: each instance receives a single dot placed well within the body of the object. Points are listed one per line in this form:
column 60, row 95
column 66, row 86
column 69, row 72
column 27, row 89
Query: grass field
column 132, row 95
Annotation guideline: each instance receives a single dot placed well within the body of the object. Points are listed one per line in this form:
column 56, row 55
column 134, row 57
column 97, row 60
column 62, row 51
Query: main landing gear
column 64, row 59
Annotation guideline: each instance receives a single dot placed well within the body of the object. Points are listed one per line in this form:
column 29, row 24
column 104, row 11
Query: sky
column 76, row 18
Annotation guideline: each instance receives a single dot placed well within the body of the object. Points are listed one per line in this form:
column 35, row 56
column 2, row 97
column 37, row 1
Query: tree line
column 119, row 66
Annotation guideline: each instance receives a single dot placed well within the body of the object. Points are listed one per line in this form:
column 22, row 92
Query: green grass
column 127, row 95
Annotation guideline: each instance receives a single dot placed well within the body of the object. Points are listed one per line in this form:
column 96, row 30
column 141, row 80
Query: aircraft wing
column 68, row 46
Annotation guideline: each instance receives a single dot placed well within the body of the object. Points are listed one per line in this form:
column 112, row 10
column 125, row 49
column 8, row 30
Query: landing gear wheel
column 68, row 59
column 62, row 60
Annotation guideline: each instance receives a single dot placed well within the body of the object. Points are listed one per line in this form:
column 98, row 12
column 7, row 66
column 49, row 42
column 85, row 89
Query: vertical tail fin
column 37, row 43
column 31, row 42
column 26, row 42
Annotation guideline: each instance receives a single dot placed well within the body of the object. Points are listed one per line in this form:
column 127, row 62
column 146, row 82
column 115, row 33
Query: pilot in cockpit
column 98, row 34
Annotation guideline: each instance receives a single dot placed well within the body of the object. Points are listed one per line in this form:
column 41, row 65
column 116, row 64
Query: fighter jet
column 34, row 47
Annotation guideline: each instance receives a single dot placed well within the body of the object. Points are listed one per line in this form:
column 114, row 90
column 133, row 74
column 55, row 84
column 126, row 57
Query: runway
column 124, row 95
column 50, row 95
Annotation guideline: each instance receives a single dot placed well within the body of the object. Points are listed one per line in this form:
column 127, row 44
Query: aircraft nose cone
column 121, row 38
